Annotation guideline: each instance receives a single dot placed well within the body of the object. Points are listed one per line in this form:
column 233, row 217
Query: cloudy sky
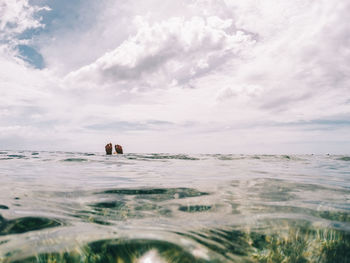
column 191, row 76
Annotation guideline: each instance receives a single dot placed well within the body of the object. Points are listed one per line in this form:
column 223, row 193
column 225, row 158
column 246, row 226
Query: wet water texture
column 88, row 207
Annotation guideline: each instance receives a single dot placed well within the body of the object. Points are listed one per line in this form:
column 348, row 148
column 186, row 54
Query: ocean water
column 89, row 207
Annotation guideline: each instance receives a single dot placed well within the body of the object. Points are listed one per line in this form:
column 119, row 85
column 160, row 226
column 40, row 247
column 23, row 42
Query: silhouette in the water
column 109, row 148
column 118, row 149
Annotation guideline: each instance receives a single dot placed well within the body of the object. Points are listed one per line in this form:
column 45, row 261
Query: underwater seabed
column 281, row 240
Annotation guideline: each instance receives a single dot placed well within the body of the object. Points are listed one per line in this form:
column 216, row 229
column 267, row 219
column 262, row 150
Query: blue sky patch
column 67, row 14
column 31, row 56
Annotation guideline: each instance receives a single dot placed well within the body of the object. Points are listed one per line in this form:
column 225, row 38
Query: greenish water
column 88, row 207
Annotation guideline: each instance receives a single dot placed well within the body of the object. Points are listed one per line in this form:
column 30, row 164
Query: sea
column 89, row 207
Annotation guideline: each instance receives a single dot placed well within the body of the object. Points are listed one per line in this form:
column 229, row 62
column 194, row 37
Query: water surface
column 88, row 207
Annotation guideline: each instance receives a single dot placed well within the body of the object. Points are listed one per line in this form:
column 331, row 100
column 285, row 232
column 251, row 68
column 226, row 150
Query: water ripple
column 88, row 207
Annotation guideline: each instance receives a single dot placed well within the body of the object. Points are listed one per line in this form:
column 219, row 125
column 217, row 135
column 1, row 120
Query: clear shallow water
column 88, row 207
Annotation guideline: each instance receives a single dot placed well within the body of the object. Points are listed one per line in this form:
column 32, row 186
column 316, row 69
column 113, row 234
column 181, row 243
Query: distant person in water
column 118, row 149
column 109, row 148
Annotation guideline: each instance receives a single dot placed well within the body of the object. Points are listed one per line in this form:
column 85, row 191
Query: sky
column 185, row 76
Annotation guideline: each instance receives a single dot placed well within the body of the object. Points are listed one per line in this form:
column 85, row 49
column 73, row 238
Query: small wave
column 225, row 158
column 292, row 158
column 158, row 193
column 92, row 219
column 19, row 156
column 345, row 158
column 111, row 204
column 25, row 224
column 4, row 242
column 137, row 191
column 121, row 204
column 156, row 156
column 75, row 160
column 228, row 157
column 195, row 208
column 256, row 157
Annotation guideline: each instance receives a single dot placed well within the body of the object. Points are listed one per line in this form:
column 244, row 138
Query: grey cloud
column 170, row 50
column 297, row 57
column 148, row 64
column 302, row 125
column 319, row 124
column 316, row 124
column 121, row 126
column 283, row 103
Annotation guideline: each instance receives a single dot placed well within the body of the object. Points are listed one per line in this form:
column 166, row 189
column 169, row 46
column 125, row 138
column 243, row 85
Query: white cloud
column 173, row 51
column 241, row 76
column 17, row 16
column 248, row 90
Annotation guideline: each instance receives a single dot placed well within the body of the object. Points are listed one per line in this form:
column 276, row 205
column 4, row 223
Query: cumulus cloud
column 299, row 61
column 19, row 83
column 16, row 17
column 248, row 90
column 243, row 75
column 171, row 52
